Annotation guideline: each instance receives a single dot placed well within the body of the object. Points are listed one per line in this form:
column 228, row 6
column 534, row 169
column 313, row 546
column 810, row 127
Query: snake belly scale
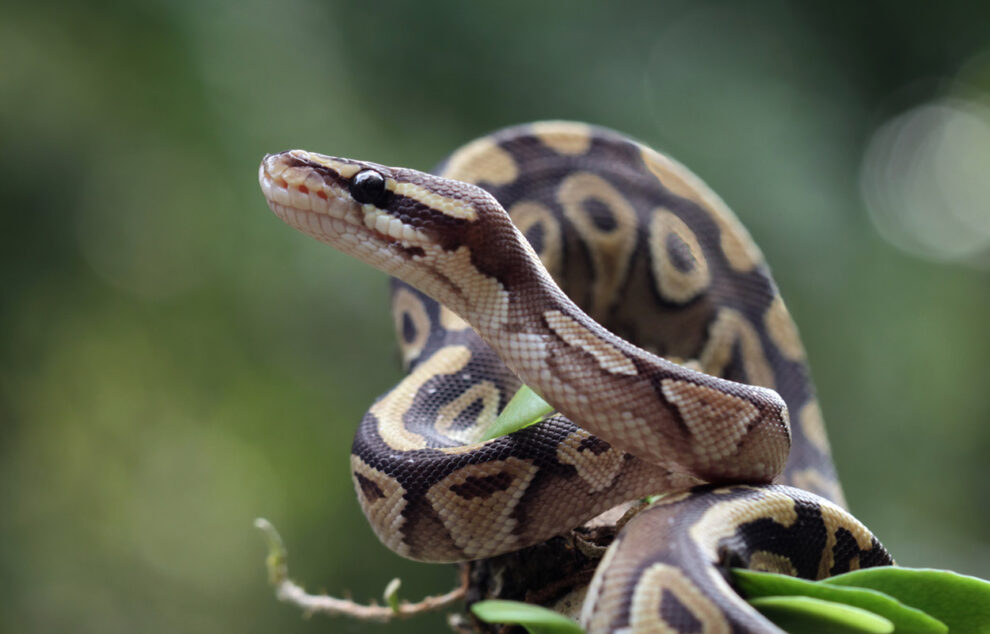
column 614, row 283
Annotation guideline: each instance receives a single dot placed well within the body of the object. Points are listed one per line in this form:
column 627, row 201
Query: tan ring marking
column 610, row 248
column 406, row 305
column 484, row 391
column 729, row 327
column 527, row 215
column 660, row 581
column 673, row 283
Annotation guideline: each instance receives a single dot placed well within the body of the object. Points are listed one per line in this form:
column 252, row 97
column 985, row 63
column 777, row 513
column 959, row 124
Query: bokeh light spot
column 924, row 179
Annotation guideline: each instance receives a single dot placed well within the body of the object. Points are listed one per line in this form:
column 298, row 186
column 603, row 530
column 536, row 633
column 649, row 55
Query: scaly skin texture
column 643, row 246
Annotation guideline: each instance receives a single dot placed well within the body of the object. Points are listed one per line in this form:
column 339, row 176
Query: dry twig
column 288, row 591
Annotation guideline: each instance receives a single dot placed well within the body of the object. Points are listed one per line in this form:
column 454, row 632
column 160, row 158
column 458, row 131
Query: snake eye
column 368, row 187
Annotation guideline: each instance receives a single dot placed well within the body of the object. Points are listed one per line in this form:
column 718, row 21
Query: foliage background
column 174, row 361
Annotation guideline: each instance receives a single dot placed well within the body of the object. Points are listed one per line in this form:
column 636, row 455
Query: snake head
column 415, row 226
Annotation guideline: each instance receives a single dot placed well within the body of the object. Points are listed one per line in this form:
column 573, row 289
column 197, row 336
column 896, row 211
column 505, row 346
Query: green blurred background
column 176, row 361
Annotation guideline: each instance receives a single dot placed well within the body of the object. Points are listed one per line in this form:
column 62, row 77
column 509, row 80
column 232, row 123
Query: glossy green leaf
column 807, row 615
column 524, row 409
column 959, row 601
column 906, row 619
column 536, row 619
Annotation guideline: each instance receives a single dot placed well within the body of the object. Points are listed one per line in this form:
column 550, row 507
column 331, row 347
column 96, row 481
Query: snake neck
column 553, row 346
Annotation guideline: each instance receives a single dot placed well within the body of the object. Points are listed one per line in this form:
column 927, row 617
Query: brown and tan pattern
column 538, row 224
column 773, row 528
column 412, row 324
column 606, row 222
column 679, row 264
column 486, row 299
column 731, row 335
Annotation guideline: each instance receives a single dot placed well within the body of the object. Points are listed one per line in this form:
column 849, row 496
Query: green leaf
column 391, row 594
column 535, row 619
column 807, row 615
column 526, row 408
column 906, row 620
column 959, row 601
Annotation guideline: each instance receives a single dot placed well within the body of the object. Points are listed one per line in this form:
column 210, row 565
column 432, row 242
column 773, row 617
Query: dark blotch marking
column 413, row 251
column 595, row 445
column 600, row 214
column 482, row 487
column 846, row 548
column 677, row 615
column 408, row 328
column 371, row 491
column 328, row 175
column 680, row 254
column 473, row 411
column 802, row 542
column 535, row 236
column 468, row 416
column 735, row 369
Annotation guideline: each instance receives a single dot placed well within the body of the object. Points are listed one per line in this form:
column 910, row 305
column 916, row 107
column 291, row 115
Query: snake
column 615, row 284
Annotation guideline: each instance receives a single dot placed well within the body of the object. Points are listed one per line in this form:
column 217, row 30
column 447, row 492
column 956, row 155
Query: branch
column 289, row 592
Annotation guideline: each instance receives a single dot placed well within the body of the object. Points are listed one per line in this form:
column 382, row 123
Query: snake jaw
column 310, row 192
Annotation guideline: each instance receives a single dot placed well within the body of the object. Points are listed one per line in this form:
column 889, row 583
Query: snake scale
column 537, row 255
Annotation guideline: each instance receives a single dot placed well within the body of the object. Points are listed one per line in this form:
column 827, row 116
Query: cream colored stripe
column 449, row 206
column 574, row 334
column 451, row 320
column 482, row 160
column 565, row 137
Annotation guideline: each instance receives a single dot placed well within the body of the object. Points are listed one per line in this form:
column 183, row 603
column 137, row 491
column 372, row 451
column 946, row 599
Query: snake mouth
column 314, row 199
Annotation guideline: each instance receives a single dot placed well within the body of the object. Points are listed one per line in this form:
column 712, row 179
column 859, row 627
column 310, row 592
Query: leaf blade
column 536, row 619
column 906, row 619
column 808, row 615
column 525, row 408
column 960, row 601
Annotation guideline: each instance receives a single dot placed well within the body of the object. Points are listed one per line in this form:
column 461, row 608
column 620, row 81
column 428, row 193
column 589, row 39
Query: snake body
column 536, row 255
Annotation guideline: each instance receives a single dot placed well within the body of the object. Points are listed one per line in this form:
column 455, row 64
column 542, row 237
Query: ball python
column 615, row 284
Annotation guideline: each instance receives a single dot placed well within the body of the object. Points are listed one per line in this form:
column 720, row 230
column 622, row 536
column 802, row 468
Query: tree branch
column 289, row 592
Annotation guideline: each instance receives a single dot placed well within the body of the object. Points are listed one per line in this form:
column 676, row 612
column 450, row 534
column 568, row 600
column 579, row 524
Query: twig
column 289, row 592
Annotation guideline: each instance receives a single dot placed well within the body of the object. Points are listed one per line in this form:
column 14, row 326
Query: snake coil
column 613, row 282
